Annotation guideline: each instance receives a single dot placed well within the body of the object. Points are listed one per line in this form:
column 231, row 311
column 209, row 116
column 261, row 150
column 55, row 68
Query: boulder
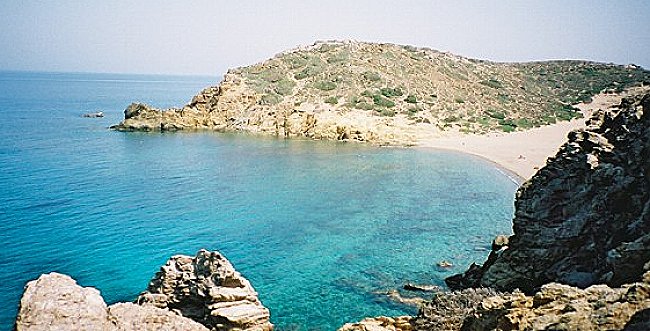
column 207, row 289
column 55, row 302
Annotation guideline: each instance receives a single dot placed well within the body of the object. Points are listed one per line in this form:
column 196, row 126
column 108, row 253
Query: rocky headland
column 199, row 293
column 386, row 94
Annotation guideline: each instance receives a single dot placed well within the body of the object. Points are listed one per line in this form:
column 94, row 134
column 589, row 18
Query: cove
column 321, row 229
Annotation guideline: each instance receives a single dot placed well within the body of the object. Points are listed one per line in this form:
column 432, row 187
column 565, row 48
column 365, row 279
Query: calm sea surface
column 322, row 230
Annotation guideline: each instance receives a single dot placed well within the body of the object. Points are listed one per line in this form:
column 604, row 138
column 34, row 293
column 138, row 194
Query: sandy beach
column 524, row 152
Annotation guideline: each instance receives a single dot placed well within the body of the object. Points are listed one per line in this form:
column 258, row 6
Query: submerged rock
column 584, row 218
column 207, row 289
column 93, row 115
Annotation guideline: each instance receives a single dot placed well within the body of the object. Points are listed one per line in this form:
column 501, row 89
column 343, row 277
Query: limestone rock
column 207, row 289
column 562, row 307
column 55, row 302
column 584, row 218
column 381, row 323
column 132, row 317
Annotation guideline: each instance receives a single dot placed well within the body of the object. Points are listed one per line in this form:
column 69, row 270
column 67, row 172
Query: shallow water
column 321, row 229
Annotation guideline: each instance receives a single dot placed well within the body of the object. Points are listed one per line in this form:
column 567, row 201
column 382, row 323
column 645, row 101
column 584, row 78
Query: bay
column 323, row 230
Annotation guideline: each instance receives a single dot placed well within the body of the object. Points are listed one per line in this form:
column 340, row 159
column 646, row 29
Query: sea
column 323, row 230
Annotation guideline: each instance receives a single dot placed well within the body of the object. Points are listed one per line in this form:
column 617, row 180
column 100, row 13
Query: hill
column 383, row 92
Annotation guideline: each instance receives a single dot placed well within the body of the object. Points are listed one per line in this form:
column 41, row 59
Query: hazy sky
column 207, row 37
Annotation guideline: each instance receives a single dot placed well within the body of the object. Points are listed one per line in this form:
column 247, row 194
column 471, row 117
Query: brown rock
column 583, row 219
column 207, row 289
column 55, row 302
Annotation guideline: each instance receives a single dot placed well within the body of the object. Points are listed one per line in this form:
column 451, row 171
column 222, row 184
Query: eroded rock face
column 584, row 218
column 562, row 307
column 381, row 323
column 55, row 302
column 207, row 289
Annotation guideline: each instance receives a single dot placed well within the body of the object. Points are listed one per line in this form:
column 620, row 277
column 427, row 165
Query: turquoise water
column 321, row 229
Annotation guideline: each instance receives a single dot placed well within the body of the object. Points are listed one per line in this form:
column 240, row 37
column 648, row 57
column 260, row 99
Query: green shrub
column 450, row 119
column 309, row 71
column 270, row 99
column 411, row 99
column 272, row 76
column 507, row 128
column 493, row 83
column 371, row 76
column 364, row 106
column 387, row 112
column 284, row 86
column 332, row 100
column 391, row 92
column 325, row 85
column 495, row 114
column 367, row 93
column 382, row 101
column 459, row 100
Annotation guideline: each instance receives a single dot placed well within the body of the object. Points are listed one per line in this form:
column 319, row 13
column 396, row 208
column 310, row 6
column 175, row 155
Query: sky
column 208, row 37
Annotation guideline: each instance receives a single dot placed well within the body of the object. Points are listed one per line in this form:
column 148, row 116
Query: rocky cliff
column 386, row 94
column 189, row 293
column 584, row 218
column 554, row 307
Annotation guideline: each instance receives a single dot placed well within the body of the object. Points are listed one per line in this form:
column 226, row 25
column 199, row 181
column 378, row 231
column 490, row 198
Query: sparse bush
column 391, row 92
column 507, row 128
column 325, row 85
column 332, row 100
column 364, row 106
column 459, row 100
column 493, row 83
column 382, row 101
column 411, row 99
column 387, row 112
column 270, row 99
column 371, row 76
column 495, row 114
column 284, row 86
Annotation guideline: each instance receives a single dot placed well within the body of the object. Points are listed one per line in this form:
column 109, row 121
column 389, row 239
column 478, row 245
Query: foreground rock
column 189, row 293
column 584, row 218
column 55, row 302
column 207, row 289
column 554, row 307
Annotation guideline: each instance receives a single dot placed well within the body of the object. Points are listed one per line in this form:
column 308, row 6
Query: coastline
column 520, row 153
column 523, row 152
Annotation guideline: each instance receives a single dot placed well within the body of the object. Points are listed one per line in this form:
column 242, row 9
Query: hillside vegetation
column 380, row 92
column 432, row 86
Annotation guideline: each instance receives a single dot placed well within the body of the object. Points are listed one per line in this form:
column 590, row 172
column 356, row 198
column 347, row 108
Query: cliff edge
column 584, row 218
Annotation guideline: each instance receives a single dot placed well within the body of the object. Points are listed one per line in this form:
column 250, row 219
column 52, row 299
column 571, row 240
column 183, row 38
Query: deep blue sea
column 322, row 229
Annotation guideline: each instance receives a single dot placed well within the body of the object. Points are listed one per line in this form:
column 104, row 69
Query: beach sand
column 523, row 152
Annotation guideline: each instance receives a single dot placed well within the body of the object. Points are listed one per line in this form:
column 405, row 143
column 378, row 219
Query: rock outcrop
column 554, row 307
column 189, row 293
column 385, row 94
column 584, row 218
column 55, row 302
column 207, row 289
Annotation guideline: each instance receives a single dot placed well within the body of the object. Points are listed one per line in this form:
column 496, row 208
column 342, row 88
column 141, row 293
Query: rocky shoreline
column 199, row 293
